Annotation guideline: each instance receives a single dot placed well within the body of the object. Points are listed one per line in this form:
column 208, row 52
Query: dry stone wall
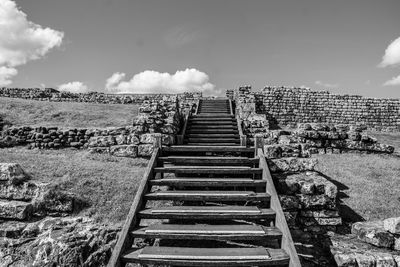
column 288, row 106
column 54, row 95
column 156, row 116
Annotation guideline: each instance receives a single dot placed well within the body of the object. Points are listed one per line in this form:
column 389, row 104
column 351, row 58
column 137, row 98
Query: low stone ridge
column 75, row 241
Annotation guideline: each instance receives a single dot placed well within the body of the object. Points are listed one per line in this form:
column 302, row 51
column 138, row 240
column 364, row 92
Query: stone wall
column 157, row 116
column 287, row 106
column 53, row 95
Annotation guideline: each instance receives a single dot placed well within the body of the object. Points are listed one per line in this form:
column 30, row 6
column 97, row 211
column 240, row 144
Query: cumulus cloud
column 22, row 40
column 392, row 54
column 392, row 82
column 328, row 85
column 74, row 87
column 149, row 81
column 6, row 74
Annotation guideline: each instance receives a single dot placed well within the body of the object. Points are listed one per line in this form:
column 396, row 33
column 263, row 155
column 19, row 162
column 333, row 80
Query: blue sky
column 335, row 45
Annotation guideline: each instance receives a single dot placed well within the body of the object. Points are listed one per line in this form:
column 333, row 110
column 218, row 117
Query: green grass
column 107, row 183
column 368, row 184
column 21, row 112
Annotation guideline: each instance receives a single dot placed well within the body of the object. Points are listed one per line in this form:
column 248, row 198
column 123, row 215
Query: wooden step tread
column 208, row 182
column 209, row 169
column 212, row 140
column 227, row 160
column 184, row 256
column 208, row 212
column 206, row 231
column 210, row 144
column 188, row 148
column 191, row 195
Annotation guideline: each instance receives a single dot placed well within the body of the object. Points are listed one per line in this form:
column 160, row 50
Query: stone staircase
column 205, row 203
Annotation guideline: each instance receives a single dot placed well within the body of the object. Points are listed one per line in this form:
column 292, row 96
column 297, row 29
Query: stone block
column 130, row 151
column 145, row 150
column 373, row 233
column 12, row 173
column 392, row 225
column 15, row 210
column 289, row 202
column 316, row 202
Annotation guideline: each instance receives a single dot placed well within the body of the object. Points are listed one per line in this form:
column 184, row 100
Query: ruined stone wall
column 53, row 95
column 156, row 116
column 288, row 106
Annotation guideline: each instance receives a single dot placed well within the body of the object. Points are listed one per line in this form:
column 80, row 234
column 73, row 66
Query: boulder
column 24, row 192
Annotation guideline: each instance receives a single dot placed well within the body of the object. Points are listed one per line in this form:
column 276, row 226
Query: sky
column 344, row 46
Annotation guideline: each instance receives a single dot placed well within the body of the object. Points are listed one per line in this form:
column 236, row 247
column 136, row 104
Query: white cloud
column 392, row 55
column 146, row 82
column 329, row 85
column 74, row 87
column 112, row 82
column 22, row 40
column 6, row 74
column 393, row 81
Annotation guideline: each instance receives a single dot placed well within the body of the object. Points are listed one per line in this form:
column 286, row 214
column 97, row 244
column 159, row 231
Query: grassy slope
column 107, row 183
column 369, row 184
column 21, row 112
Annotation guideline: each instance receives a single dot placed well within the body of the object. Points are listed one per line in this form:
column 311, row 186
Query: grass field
column 21, row 112
column 107, row 183
column 368, row 184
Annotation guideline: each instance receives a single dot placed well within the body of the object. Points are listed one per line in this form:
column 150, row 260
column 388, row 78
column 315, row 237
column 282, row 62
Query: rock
column 316, row 202
column 16, row 210
column 12, row 173
column 147, row 139
column 373, row 233
column 145, row 150
column 384, row 260
column 292, row 164
column 289, row 202
column 24, row 192
column 130, row 151
column 101, row 141
column 56, row 202
column 396, row 245
column 392, row 225
column 61, row 242
column 345, row 259
column 11, row 229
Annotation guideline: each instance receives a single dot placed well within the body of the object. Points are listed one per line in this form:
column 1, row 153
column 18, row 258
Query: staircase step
column 208, row 170
column 208, row 232
column 212, row 119
column 224, row 196
column 211, row 144
column 212, row 140
column 216, row 122
column 209, row 182
column 211, row 115
column 208, row 135
column 213, row 131
column 190, row 149
column 210, row 160
column 202, row 127
column 210, row 257
column 208, row 212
